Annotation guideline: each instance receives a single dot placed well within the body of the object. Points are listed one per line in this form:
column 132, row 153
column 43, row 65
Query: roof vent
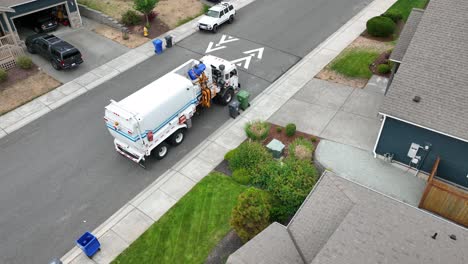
column 416, row 99
column 453, row 237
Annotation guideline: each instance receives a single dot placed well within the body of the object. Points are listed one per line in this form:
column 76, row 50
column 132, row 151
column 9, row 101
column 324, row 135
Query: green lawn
column 405, row 6
column 355, row 63
column 190, row 229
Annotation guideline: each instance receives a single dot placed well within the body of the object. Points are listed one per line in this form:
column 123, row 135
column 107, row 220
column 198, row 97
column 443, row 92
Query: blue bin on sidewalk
column 89, row 244
column 158, row 46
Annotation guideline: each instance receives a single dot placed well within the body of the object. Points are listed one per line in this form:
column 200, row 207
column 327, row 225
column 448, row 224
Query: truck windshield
column 212, row 13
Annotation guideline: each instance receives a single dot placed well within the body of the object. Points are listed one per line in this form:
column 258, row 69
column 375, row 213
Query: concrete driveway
column 336, row 112
column 96, row 51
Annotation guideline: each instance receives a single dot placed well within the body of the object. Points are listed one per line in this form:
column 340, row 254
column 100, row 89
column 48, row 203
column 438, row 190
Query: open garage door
column 46, row 19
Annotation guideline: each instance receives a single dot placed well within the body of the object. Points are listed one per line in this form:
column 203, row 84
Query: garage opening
column 41, row 21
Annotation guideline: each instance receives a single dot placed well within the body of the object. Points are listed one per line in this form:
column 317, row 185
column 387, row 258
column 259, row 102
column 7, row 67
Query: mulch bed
column 273, row 134
column 156, row 29
column 16, row 74
column 228, row 245
column 382, row 59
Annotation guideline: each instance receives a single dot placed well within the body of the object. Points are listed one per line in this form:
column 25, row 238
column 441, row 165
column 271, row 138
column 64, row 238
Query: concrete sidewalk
column 360, row 166
column 42, row 105
column 126, row 225
column 336, row 112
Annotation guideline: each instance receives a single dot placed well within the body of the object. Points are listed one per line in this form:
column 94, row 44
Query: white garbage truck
column 148, row 121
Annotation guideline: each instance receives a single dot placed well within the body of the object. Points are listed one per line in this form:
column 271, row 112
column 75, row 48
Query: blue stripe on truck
column 135, row 138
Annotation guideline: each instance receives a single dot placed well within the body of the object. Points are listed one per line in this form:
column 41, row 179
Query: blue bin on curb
column 89, row 244
column 158, row 46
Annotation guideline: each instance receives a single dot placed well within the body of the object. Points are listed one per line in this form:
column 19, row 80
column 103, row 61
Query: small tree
column 145, row 7
column 251, row 214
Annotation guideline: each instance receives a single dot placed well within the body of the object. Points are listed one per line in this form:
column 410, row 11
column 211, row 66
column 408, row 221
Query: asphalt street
column 60, row 175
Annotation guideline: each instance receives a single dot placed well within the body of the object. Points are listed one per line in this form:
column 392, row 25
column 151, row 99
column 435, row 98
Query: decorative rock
column 276, row 148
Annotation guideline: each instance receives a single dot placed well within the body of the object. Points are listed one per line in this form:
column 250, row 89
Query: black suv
column 61, row 54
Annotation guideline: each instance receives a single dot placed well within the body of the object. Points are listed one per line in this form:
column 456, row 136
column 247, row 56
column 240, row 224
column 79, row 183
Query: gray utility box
column 276, row 148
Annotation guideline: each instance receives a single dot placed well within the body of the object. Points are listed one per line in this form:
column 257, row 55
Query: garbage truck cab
column 225, row 75
column 148, row 121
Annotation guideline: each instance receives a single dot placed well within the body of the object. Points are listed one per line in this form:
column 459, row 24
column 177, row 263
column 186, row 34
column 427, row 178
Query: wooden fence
column 444, row 199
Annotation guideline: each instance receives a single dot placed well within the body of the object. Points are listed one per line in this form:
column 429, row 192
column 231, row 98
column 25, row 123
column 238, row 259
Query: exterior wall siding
column 397, row 136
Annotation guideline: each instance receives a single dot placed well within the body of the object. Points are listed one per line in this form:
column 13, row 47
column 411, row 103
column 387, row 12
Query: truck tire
column 215, row 28
column 227, row 97
column 231, row 19
column 55, row 65
column 31, row 49
column 161, row 151
column 178, row 137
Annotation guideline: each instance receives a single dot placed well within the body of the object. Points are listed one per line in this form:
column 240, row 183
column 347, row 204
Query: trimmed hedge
column 394, row 15
column 290, row 129
column 3, row 75
column 257, row 130
column 380, row 26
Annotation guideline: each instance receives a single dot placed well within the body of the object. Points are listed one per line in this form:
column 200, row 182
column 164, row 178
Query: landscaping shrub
column 229, row 154
column 313, row 139
column 24, row 62
column 251, row 214
column 394, row 15
column 3, row 75
column 131, row 18
column 290, row 129
column 279, row 129
column 383, row 68
column 257, row 130
column 380, row 26
column 241, row 176
column 301, row 149
column 264, row 172
column 291, row 187
column 249, row 155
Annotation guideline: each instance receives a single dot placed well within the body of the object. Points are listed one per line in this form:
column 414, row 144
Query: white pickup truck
column 216, row 16
column 147, row 121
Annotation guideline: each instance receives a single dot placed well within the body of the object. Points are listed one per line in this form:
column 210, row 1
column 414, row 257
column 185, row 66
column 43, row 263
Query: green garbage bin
column 243, row 98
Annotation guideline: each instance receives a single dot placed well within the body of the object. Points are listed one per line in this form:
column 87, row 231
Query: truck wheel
column 161, row 151
column 30, row 49
column 227, row 97
column 215, row 28
column 55, row 65
column 177, row 138
column 231, row 19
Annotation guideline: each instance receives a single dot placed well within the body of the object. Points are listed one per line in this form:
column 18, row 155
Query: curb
column 27, row 113
column 207, row 155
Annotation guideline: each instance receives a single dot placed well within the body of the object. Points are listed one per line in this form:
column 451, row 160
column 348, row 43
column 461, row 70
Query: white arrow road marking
column 211, row 49
column 226, row 39
column 252, row 52
column 246, row 61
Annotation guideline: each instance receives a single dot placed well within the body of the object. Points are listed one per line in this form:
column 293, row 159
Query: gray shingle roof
column 342, row 222
column 272, row 245
column 434, row 68
column 406, row 35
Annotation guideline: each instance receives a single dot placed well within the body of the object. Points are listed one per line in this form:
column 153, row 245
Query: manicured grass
column 355, row 63
column 405, row 6
column 190, row 229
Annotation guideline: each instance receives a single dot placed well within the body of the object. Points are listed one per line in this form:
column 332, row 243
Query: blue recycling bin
column 89, row 244
column 158, row 46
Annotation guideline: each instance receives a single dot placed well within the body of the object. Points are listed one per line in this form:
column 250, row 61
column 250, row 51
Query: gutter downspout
column 378, row 137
